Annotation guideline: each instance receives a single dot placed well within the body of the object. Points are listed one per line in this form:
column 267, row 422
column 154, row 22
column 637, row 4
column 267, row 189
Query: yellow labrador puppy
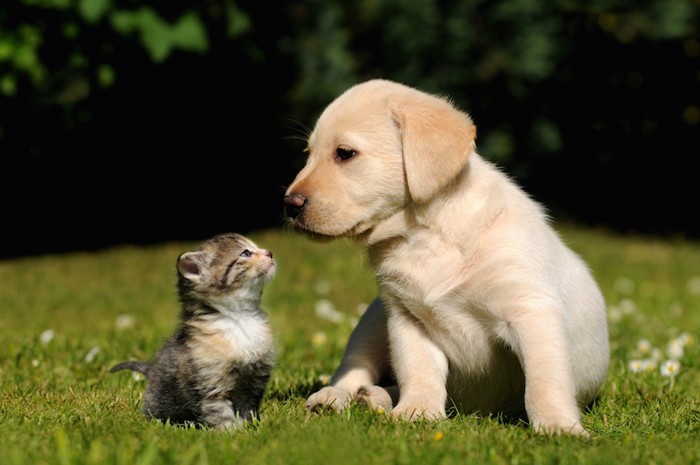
column 481, row 305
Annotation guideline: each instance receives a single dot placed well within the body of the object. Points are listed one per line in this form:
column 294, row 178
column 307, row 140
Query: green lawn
column 66, row 319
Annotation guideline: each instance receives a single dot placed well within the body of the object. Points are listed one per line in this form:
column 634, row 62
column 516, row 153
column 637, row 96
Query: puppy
column 481, row 307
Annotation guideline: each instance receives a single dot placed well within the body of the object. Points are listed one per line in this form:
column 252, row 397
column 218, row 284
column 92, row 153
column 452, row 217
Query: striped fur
column 213, row 371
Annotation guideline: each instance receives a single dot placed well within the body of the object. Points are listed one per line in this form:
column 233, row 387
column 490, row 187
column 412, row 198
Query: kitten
column 214, row 369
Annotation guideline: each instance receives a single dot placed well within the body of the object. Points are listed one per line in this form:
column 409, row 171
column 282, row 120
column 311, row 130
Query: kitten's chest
column 242, row 339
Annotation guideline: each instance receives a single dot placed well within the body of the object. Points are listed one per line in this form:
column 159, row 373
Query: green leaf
column 105, row 75
column 26, row 59
column 238, row 22
column 189, row 33
column 7, row 49
column 125, row 22
column 155, row 35
column 673, row 18
column 93, row 10
column 8, row 85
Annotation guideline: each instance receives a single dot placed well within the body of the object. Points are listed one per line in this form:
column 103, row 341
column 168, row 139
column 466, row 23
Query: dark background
column 603, row 130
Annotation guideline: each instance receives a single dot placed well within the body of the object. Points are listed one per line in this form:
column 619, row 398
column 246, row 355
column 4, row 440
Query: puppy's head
column 375, row 150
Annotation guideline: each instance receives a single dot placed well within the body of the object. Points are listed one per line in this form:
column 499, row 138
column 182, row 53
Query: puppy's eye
column 344, row 153
column 246, row 253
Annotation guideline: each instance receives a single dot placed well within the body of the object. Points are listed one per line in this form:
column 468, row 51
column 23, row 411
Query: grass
column 64, row 320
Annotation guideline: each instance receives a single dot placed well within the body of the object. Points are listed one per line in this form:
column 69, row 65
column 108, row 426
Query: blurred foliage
column 568, row 95
column 42, row 39
column 459, row 48
column 447, row 46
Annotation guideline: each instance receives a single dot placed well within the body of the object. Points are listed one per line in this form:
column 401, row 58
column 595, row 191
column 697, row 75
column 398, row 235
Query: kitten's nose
column 267, row 253
column 294, row 204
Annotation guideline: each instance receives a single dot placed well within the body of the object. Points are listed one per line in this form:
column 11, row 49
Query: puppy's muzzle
column 294, row 205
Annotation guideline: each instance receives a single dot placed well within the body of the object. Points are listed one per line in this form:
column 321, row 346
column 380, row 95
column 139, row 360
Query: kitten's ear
column 190, row 265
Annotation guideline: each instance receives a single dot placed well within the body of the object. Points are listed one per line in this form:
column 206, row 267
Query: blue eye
column 246, row 253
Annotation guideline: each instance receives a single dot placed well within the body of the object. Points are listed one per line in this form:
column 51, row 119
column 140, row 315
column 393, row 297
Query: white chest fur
column 241, row 337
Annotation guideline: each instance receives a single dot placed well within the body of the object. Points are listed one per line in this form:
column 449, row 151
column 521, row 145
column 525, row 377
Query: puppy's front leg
column 364, row 362
column 542, row 344
column 420, row 368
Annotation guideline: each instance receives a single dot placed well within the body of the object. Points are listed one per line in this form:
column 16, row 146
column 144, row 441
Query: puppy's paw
column 329, row 397
column 375, row 397
column 412, row 411
column 573, row 429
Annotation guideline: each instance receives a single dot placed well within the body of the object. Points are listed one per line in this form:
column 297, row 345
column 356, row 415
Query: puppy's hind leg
column 365, row 361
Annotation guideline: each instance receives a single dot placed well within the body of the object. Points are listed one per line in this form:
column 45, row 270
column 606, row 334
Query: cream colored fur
column 481, row 305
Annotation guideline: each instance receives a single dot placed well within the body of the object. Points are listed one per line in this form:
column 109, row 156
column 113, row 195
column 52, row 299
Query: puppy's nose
column 294, row 203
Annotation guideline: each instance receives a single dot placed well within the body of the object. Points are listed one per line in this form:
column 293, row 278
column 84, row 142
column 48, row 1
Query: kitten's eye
column 344, row 153
column 246, row 253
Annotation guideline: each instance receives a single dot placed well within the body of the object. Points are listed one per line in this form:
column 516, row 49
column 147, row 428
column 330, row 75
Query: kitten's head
column 224, row 269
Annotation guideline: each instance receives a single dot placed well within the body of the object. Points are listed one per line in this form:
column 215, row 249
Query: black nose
column 294, row 204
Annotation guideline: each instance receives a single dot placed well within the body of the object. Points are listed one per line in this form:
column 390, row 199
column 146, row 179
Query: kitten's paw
column 230, row 425
column 329, row 397
column 219, row 414
column 377, row 397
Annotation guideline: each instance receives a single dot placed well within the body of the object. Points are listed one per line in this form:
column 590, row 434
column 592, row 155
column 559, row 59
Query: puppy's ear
column 437, row 140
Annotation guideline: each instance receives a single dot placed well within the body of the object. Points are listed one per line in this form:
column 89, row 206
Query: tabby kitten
column 214, row 369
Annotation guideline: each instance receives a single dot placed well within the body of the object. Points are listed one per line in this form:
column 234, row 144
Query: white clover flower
column 642, row 365
column 90, row 356
column 325, row 379
column 644, row 347
column 674, row 349
column 670, row 368
column 686, row 339
column 137, row 376
column 635, row 366
column 35, row 362
column 624, row 285
column 124, row 321
column 657, row 354
column 46, row 336
column 326, row 310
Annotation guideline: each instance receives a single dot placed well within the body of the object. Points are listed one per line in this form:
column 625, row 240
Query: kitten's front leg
column 364, row 362
column 420, row 366
column 219, row 414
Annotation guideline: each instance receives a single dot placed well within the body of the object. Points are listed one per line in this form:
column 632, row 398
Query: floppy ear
column 437, row 140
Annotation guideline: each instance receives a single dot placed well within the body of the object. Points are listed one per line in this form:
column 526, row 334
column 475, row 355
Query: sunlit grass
column 64, row 320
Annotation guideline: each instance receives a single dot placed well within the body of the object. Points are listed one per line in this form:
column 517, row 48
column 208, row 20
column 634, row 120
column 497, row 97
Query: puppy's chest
column 423, row 273
column 432, row 283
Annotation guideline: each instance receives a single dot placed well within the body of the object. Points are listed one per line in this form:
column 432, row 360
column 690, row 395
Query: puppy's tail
column 141, row 367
